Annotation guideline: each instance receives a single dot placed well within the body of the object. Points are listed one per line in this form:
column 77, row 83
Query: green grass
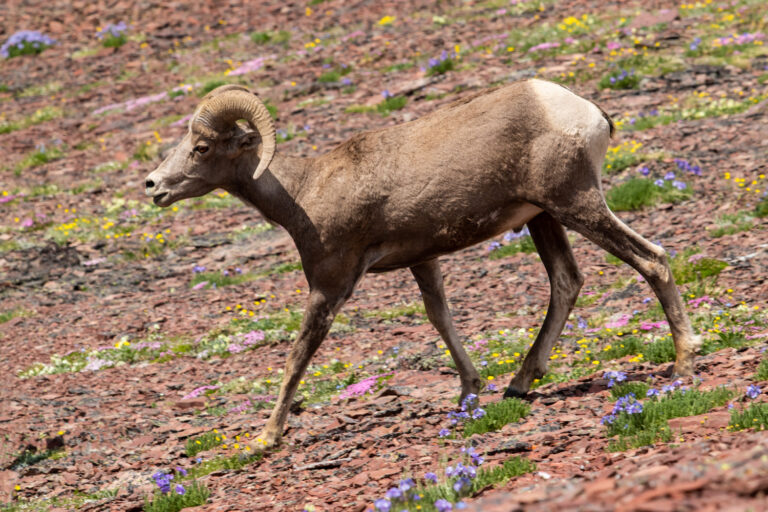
column 41, row 115
column 524, row 244
column 622, row 79
column 233, row 462
column 732, row 223
column 391, row 104
column 732, row 339
column 762, row 370
column 38, row 157
column 625, row 388
column 281, row 37
column 497, row 414
column 219, row 279
column 202, row 443
column 31, row 457
column 195, row 494
column 755, row 416
column 409, row 309
column 652, row 435
column 209, row 86
column 441, row 67
column 486, row 477
column 62, row 502
column 637, row 193
column 6, row 316
column 676, row 404
column 686, row 271
column 761, row 208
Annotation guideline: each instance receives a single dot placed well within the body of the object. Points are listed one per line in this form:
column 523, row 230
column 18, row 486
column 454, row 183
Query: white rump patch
column 574, row 116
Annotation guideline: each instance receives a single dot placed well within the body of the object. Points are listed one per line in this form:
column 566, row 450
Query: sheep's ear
column 250, row 141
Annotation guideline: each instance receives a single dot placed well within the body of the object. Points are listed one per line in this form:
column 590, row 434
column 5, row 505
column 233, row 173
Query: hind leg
column 565, row 281
column 589, row 215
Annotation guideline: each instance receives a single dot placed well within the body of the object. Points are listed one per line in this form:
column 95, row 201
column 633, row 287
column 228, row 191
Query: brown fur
column 404, row 195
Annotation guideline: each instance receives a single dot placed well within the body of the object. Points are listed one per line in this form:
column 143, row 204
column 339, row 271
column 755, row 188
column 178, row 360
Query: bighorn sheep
column 527, row 153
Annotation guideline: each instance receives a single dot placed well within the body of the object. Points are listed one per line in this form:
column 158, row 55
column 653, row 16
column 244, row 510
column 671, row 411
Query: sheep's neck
column 275, row 193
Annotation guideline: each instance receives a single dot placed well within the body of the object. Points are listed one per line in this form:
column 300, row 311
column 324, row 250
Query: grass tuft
column 638, row 193
column 755, row 416
column 497, row 414
column 194, row 494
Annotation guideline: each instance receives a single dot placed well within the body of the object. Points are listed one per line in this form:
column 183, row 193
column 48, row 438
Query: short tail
column 611, row 126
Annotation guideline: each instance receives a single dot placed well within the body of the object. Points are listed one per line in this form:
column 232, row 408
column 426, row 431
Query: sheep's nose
column 150, row 184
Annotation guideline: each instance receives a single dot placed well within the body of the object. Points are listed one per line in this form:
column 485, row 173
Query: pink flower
column 199, row 391
column 362, row 387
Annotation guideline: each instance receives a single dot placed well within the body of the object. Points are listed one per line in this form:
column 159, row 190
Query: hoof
column 511, row 392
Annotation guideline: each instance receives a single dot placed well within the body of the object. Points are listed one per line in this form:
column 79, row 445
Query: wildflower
column 644, row 170
column 443, row 505
column 753, row 391
column 386, row 94
column 491, row 387
column 382, row 504
column 394, row 493
column 493, row 246
column 198, row 268
column 25, row 41
column 614, row 377
column 652, row 392
column 181, row 471
column 679, row 185
column 634, row 408
column 659, row 182
column 180, row 489
column 669, row 176
column 431, row 477
column 478, row 413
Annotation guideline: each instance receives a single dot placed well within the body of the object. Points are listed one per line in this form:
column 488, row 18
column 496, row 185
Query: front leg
column 321, row 310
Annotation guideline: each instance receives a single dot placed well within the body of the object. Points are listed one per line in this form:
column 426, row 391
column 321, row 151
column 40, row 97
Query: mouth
column 159, row 199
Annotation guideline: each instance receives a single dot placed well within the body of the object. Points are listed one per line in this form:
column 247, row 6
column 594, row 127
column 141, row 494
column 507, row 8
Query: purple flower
column 493, row 246
column 669, row 176
column 382, row 504
column 406, row 484
column 634, row 408
column 491, row 387
column 461, row 483
column 644, row 170
column 431, row 477
column 679, row 185
column 394, row 493
column 753, row 391
column 386, row 94
column 180, row 489
column 659, row 182
column 443, row 505
column 652, row 392
column 198, row 268
column 181, row 471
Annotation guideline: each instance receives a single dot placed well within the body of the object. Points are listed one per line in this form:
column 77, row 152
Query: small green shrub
column 620, row 79
column 688, row 267
column 497, row 414
column 640, row 192
column 755, row 416
column 762, row 370
column 390, row 104
column 179, row 497
column 203, row 443
column 209, row 86
column 761, row 209
column 524, row 244
column 625, row 388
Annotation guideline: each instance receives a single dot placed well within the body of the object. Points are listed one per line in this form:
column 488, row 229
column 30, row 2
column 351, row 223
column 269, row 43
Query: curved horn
column 220, row 112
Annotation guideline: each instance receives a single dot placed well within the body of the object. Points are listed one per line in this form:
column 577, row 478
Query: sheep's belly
column 447, row 237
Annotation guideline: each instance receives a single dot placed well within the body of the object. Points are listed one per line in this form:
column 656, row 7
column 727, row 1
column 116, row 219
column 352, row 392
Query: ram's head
column 215, row 147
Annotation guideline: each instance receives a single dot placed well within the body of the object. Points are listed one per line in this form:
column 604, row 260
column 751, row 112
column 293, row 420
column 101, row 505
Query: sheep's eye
column 201, row 149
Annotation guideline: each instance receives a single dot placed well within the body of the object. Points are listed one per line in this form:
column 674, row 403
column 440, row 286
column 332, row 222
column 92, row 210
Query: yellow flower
column 386, row 20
